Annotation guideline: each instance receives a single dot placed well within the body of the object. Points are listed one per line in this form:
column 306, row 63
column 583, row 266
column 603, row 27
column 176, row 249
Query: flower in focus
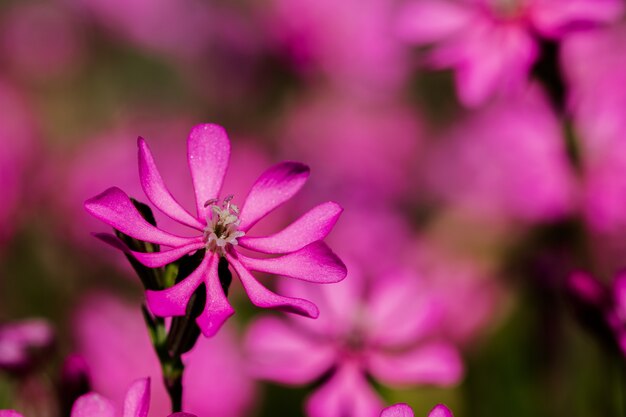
column 403, row 410
column 528, row 177
column 221, row 228
column 492, row 44
column 24, row 343
column 136, row 404
column 601, row 309
column 112, row 339
column 385, row 328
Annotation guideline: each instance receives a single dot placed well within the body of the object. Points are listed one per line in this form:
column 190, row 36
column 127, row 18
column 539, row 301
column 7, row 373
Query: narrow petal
column 173, row 301
column 315, row 263
column 151, row 259
column 346, row 394
column 114, row 208
column 397, row 410
column 217, row 309
column 426, row 21
column 440, row 410
column 276, row 350
column 274, row 187
column 264, row 298
column 434, row 364
column 208, row 152
column 555, row 18
column 314, row 225
column 156, row 191
column 10, row 413
column 93, row 405
column 137, row 401
column 182, row 414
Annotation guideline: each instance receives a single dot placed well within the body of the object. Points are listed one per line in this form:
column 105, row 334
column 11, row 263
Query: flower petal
column 156, row 191
column 208, row 152
column 151, row 259
column 173, row 301
column 217, row 309
column 114, row 208
column 436, row 363
column 426, row 21
column 93, row 405
column 9, row 413
column 397, row 410
column 276, row 350
column 182, row 414
column 346, row 394
column 311, row 227
column 555, row 18
column 440, row 410
column 137, row 401
column 264, row 298
column 274, row 187
column 315, row 263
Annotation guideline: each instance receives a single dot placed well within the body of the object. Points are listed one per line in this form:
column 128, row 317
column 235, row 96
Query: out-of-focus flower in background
column 510, row 164
column 384, row 326
column 493, row 44
column 24, row 344
column 113, row 340
column 403, row 410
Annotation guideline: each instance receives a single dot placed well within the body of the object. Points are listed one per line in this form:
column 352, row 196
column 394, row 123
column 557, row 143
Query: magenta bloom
column 220, row 227
column 403, row 410
column 385, row 328
column 136, row 404
column 492, row 44
column 23, row 343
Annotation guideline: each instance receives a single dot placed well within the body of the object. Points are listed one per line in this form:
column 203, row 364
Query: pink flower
column 112, row 338
column 23, row 343
column 403, row 410
column 136, row 404
column 384, row 327
column 505, row 163
column 492, row 44
column 220, row 228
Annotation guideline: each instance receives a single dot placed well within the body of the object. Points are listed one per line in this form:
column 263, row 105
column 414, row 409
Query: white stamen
column 222, row 223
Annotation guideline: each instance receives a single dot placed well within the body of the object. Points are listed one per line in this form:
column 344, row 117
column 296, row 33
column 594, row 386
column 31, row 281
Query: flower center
column 222, row 225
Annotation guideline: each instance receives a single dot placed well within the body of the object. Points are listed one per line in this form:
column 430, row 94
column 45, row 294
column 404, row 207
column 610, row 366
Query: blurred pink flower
column 17, row 151
column 403, row 410
column 595, row 64
column 22, row 343
column 222, row 228
column 136, row 404
column 364, row 149
column 114, row 342
column 349, row 41
column 492, row 44
column 383, row 327
column 41, row 40
column 505, row 163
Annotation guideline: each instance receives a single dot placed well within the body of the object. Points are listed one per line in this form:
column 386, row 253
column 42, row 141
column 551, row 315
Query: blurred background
column 490, row 203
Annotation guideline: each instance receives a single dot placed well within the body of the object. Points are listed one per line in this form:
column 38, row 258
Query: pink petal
column 264, row 298
column 346, row 394
column 398, row 410
column 93, row 405
column 440, row 410
column 217, row 309
column 114, row 208
column 208, row 152
column 182, row 414
column 619, row 294
column 279, row 352
column 426, row 21
column 173, row 301
column 151, row 259
column 555, row 18
column 10, row 413
column 315, row 263
column 157, row 192
column 274, row 187
column 314, row 225
column 137, row 401
column 434, row 364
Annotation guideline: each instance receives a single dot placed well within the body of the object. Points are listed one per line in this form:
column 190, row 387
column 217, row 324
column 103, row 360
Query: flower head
column 221, row 229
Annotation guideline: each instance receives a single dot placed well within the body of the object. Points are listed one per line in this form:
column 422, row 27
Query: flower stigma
column 222, row 225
